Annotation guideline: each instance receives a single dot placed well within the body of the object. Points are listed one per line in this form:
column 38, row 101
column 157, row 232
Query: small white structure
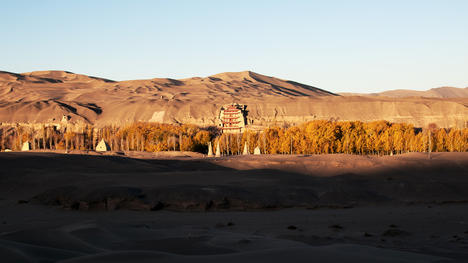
column 218, row 150
column 102, row 146
column 246, row 150
column 257, row 151
column 65, row 118
column 210, row 150
column 26, row 146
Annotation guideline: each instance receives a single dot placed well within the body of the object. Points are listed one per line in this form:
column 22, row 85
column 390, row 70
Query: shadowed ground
column 339, row 207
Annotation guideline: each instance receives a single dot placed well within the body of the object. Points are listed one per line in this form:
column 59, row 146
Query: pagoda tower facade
column 233, row 118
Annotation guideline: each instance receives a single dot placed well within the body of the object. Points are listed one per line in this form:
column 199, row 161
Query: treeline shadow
column 85, row 182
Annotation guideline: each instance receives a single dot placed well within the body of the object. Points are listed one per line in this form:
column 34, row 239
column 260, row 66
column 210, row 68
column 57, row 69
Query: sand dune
column 442, row 92
column 176, row 208
column 45, row 96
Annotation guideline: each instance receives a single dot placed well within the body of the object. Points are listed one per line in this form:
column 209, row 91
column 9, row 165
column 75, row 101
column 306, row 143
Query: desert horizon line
column 92, row 75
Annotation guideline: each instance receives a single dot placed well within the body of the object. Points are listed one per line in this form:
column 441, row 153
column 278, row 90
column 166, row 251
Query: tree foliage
column 315, row 137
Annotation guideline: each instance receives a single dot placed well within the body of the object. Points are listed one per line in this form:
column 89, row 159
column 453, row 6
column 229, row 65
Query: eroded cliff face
column 420, row 113
column 41, row 97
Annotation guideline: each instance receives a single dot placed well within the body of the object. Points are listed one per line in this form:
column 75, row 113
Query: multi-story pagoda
column 233, row 118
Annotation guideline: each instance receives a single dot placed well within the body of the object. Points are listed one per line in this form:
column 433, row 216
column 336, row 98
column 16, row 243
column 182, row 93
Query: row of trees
column 136, row 137
column 352, row 137
column 315, row 137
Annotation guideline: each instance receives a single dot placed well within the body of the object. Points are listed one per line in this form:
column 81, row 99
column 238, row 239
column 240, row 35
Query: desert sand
column 45, row 96
column 442, row 92
column 182, row 207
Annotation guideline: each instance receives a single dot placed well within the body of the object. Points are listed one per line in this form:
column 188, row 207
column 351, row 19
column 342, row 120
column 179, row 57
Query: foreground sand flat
column 339, row 208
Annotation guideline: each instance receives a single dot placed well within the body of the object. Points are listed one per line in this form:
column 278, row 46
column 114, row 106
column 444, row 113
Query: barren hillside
column 45, row 96
column 442, row 92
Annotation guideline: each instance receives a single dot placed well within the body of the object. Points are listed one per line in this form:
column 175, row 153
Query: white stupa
column 246, row 150
column 210, row 150
column 257, row 151
column 26, row 146
column 102, row 146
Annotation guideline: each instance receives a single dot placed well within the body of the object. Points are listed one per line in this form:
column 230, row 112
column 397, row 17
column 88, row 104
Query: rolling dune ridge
column 45, row 96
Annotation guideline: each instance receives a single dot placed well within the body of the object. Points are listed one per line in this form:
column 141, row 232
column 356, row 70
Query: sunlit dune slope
column 45, row 96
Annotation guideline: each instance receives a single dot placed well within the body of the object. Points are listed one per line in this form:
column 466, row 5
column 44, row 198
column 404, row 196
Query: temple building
column 232, row 118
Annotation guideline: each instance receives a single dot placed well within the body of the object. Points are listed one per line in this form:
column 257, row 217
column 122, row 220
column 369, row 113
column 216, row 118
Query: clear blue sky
column 354, row 46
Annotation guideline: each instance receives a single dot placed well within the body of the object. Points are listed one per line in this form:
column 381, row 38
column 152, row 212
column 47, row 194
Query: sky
column 340, row 46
